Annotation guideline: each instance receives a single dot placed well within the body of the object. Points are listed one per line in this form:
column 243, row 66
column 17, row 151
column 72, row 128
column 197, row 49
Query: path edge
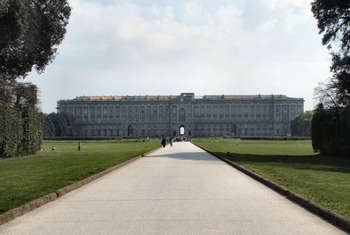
column 36, row 203
column 327, row 215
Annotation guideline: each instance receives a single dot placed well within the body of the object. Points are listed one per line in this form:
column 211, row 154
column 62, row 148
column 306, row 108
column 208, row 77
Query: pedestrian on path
column 171, row 141
column 163, row 142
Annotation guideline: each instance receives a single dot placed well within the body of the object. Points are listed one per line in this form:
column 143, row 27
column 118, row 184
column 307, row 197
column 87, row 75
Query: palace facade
column 208, row 115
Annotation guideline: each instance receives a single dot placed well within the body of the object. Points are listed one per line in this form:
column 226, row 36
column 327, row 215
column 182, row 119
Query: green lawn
column 258, row 147
column 27, row 178
column 292, row 164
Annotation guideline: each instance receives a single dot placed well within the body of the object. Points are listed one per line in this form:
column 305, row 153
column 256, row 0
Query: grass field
column 292, row 164
column 27, row 178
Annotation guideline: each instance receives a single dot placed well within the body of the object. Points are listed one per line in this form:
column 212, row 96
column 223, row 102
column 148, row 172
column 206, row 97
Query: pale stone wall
column 205, row 116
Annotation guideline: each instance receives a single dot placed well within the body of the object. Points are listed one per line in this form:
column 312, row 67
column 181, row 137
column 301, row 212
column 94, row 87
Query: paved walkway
column 178, row 190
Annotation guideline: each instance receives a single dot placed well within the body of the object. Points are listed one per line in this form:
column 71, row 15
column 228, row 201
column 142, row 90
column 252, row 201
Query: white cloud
column 193, row 12
column 277, row 4
column 128, row 48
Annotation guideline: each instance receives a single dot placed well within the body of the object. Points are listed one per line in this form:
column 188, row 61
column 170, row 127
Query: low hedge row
column 275, row 138
column 82, row 138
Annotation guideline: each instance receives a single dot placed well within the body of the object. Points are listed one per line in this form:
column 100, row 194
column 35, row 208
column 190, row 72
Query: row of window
column 199, row 130
column 105, row 110
column 182, row 118
column 160, row 132
column 128, row 132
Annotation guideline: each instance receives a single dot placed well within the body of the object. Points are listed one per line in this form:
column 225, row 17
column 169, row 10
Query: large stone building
column 209, row 115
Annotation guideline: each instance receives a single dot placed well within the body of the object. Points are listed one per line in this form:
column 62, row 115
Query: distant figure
column 171, row 141
column 79, row 146
column 163, row 142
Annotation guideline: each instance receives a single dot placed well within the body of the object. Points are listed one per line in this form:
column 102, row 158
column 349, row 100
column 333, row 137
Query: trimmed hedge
column 78, row 138
column 331, row 131
column 11, row 131
column 276, row 138
column 32, row 130
column 21, row 122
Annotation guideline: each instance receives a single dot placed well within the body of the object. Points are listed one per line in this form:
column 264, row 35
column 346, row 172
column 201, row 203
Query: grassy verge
column 292, row 164
column 27, row 178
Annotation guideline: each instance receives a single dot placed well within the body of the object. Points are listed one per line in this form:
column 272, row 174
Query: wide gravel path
column 176, row 190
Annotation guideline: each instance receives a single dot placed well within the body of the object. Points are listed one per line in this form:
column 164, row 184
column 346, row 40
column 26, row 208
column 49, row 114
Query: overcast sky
column 165, row 47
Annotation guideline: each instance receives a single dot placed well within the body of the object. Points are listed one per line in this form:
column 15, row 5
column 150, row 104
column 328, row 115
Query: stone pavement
column 175, row 190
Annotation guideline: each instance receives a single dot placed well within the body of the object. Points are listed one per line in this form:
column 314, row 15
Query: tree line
column 59, row 125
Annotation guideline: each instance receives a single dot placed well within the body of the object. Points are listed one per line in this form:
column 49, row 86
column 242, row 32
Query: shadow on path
column 187, row 156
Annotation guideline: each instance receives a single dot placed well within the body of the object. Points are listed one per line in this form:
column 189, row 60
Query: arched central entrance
column 130, row 130
column 182, row 130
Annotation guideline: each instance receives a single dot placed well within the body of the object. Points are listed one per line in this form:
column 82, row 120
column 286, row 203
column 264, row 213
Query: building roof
column 173, row 97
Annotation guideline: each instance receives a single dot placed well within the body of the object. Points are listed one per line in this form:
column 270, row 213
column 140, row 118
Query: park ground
column 26, row 178
column 174, row 190
column 292, row 164
column 324, row 180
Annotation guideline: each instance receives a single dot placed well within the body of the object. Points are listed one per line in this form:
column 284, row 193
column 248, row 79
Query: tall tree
column 30, row 32
column 333, row 18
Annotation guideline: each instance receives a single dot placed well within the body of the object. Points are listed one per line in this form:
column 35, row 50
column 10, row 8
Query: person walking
column 171, row 141
column 163, row 142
